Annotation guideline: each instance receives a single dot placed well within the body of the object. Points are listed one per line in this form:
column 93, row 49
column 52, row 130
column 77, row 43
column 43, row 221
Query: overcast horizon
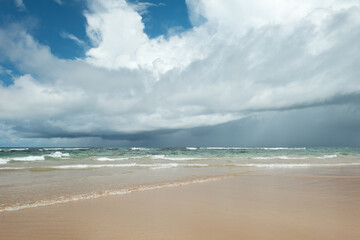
column 158, row 73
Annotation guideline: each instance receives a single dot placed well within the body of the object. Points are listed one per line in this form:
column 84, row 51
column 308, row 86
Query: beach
column 301, row 203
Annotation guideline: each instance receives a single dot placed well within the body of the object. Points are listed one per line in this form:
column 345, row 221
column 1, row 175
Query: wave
column 139, row 149
column 51, row 149
column 327, row 156
column 164, row 157
column 13, row 149
column 107, row 193
column 223, row 148
column 295, row 165
column 152, row 166
column 164, row 166
column 59, row 155
column 4, row 160
column 86, row 166
column 279, row 157
column 76, row 149
column 13, row 168
column 95, row 166
column 28, row 158
column 62, row 148
column 181, row 158
column 110, row 159
column 283, row 148
column 191, row 148
column 157, row 156
column 175, row 165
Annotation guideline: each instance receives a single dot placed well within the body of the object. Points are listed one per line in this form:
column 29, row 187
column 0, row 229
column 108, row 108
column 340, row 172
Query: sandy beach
column 273, row 204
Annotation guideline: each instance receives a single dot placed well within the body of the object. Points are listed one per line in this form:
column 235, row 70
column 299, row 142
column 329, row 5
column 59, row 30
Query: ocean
column 34, row 177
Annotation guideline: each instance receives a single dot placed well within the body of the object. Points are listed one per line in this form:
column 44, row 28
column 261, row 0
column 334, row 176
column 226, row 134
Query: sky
column 167, row 73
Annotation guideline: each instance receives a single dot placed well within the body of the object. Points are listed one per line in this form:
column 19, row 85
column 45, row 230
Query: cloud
column 142, row 7
column 73, row 38
column 233, row 66
column 59, row 2
column 117, row 32
column 20, row 5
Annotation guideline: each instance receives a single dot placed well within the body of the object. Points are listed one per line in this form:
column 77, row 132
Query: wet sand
column 283, row 204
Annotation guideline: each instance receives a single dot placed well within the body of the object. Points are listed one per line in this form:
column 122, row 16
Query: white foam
column 13, row 168
column 75, row 149
column 52, row 149
column 42, row 203
column 224, row 148
column 327, row 156
column 163, row 166
column 163, row 157
column 66, row 149
column 4, row 160
column 86, row 166
column 171, row 165
column 277, row 165
column 279, row 157
column 295, row 165
column 191, row 148
column 181, row 158
column 283, row 148
column 194, row 165
column 104, row 159
column 139, row 149
column 18, row 149
column 151, row 166
column 59, row 155
column 157, row 156
column 29, row 158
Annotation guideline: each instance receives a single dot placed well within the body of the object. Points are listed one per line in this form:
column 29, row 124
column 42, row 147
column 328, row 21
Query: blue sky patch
column 165, row 17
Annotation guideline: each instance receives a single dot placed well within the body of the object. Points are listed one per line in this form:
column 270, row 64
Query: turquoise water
column 39, row 176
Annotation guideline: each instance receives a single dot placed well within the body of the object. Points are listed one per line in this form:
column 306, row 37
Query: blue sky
column 52, row 22
column 174, row 73
column 48, row 20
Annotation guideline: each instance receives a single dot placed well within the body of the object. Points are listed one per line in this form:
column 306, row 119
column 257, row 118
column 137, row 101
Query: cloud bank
column 240, row 60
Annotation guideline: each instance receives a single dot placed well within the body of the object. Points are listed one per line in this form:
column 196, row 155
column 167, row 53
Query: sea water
column 33, row 177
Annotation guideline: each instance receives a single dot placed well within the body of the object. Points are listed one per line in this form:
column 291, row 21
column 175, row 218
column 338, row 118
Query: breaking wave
column 28, row 158
column 59, row 155
column 104, row 159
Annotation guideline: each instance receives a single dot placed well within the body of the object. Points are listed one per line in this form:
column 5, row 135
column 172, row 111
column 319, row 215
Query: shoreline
column 272, row 204
column 109, row 193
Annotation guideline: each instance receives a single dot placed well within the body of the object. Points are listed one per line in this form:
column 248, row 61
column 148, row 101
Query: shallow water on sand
column 31, row 177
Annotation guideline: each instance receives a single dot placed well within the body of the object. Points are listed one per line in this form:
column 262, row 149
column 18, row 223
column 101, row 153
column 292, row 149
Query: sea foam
column 280, row 157
column 164, row 157
column 28, row 158
column 295, row 165
column 4, row 160
column 327, row 156
column 191, row 148
column 124, row 165
column 139, row 149
column 104, row 159
column 59, row 154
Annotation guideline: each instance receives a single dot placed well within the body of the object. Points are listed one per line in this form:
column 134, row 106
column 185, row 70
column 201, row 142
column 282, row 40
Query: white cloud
column 58, row 2
column 72, row 37
column 118, row 33
column 20, row 5
column 246, row 59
